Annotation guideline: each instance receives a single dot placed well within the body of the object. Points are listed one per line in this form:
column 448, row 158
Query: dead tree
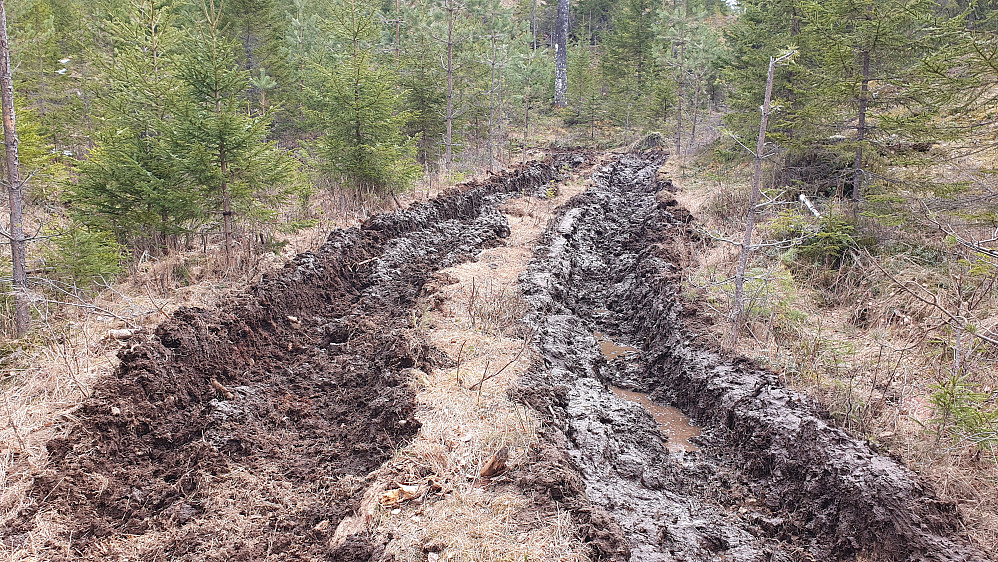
column 738, row 316
column 561, row 56
column 15, row 187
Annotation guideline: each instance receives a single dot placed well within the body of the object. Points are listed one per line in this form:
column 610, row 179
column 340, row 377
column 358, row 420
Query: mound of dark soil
column 774, row 479
column 297, row 387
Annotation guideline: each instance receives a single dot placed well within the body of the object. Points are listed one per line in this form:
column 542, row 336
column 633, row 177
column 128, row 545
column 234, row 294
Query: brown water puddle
column 611, row 350
column 676, row 425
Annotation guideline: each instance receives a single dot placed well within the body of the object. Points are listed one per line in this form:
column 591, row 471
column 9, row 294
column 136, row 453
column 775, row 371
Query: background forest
column 172, row 144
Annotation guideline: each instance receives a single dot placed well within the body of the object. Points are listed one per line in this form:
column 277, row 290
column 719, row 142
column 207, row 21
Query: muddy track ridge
column 246, row 432
column 773, row 480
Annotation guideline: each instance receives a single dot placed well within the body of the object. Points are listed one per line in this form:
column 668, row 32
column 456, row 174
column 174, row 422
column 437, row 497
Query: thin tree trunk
column 224, row 165
column 448, row 139
column 526, row 110
column 739, row 304
column 226, row 211
column 533, row 22
column 561, row 56
column 679, row 92
column 857, row 177
column 492, row 95
column 696, row 110
column 15, row 188
column 500, row 114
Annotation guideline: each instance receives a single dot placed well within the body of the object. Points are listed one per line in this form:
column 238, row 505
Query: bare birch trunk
column 15, row 187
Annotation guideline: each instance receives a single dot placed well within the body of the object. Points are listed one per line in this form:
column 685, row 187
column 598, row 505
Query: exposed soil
column 773, row 479
column 256, row 431
column 248, row 432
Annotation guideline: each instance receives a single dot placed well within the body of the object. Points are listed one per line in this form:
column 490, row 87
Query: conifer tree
column 301, row 40
column 421, row 78
column 763, row 27
column 361, row 108
column 132, row 182
column 629, row 65
column 586, row 87
column 225, row 152
column 528, row 77
column 47, row 72
column 450, row 11
column 501, row 40
column 846, row 45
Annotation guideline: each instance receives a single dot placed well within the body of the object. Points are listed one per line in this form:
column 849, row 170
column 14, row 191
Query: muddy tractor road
column 251, row 432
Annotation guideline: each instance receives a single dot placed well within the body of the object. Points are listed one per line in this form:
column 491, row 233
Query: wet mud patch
column 251, row 431
column 773, row 479
column 677, row 427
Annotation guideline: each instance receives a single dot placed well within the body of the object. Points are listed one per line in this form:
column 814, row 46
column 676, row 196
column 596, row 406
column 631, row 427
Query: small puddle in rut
column 611, row 350
column 676, row 425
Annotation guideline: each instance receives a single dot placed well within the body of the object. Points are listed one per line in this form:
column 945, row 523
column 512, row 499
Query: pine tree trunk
column 561, row 56
column 738, row 317
column 15, row 188
column 857, row 177
column 526, row 114
column 533, row 22
column 492, row 97
column 226, row 196
column 226, row 211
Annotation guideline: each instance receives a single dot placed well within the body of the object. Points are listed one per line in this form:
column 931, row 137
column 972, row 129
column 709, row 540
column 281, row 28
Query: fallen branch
column 810, row 206
column 526, row 342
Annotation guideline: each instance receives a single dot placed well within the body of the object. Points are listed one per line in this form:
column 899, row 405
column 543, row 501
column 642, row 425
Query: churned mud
column 367, row 403
column 772, row 478
column 250, row 432
column 678, row 428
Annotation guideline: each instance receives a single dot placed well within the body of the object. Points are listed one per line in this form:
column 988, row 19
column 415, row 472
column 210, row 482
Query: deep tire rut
column 247, row 433
column 251, row 432
column 773, row 480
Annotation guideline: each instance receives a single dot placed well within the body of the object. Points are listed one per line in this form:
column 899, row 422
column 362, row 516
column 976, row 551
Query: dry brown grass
column 465, row 422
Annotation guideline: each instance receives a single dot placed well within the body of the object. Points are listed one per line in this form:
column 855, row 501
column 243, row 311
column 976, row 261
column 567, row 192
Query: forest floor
column 470, row 378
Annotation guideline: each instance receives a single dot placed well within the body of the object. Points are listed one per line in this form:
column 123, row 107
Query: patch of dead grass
column 467, row 418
